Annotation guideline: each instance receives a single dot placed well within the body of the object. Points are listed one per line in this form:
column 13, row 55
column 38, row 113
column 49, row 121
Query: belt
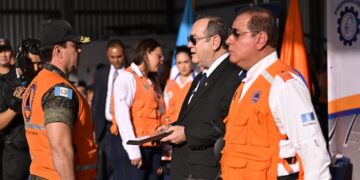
column 291, row 160
column 293, row 176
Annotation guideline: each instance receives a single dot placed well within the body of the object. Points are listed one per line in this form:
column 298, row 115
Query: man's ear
column 57, row 51
column 262, row 40
column 216, row 43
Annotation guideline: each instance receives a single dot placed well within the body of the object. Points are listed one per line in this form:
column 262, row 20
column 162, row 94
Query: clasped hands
column 14, row 101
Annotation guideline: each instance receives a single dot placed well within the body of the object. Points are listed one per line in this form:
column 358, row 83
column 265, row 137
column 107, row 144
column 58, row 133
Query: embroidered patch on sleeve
column 64, row 92
column 308, row 118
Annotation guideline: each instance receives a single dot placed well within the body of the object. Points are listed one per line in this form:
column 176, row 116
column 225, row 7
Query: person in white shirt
column 138, row 110
column 101, row 107
column 272, row 131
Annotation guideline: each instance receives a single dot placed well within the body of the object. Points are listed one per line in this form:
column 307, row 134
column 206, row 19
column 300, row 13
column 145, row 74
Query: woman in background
column 138, row 110
column 177, row 88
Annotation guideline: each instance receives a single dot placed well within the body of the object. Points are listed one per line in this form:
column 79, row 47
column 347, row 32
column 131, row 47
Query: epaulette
column 285, row 75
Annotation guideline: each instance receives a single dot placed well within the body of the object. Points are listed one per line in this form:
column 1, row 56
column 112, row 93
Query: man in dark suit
column 101, row 106
column 200, row 121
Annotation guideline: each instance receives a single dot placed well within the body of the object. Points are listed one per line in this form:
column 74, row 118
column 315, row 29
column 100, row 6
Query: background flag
column 184, row 31
column 293, row 50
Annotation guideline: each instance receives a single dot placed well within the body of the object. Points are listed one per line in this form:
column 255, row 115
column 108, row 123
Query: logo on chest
column 255, row 97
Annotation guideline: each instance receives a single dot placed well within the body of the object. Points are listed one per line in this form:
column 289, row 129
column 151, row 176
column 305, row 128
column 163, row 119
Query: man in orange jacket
column 57, row 117
column 271, row 130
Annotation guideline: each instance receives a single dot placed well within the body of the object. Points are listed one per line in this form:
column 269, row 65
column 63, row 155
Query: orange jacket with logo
column 145, row 114
column 176, row 98
column 252, row 137
column 82, row 137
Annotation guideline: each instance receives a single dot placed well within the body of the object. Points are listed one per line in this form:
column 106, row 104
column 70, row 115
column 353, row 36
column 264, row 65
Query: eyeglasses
column 194, row 39
column 237, row 34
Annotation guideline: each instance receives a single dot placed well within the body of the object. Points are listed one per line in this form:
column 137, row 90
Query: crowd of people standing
column 53, row 128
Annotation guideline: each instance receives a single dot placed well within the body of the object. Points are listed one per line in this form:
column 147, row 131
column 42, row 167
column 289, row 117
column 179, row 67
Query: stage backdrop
column 343, row 28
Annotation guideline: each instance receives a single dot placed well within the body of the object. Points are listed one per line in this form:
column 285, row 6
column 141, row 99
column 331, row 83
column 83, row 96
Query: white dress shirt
column 108, row 114
column 289, row 101
column 208, row 72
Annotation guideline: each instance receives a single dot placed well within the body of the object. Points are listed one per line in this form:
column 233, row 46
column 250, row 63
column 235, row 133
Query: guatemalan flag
column 184, row 31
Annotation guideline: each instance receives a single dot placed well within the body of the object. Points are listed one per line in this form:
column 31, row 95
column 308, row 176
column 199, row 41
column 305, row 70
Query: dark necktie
column 242, row 74
column 202, row 80
column 200, row 84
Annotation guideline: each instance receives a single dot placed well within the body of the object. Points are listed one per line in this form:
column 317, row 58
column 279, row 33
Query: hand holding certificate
column 149, row 138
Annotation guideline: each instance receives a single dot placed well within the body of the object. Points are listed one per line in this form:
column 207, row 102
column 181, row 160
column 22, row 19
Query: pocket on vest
column 237, row 131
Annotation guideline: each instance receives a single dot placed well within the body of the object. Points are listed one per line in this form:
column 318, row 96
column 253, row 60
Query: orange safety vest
column 252, row 137
column 176, row 99
column 145, row 114
column 82, row 136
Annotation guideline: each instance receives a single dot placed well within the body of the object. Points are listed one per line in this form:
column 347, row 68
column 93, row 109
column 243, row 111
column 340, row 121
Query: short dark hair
column 262, row 20
column 45, row 51
column 183, row 49
column 118, row 43
column 216, row 26
column 115, row 42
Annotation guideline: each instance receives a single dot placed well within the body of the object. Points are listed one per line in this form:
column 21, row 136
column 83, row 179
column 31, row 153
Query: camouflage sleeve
column 60, row 104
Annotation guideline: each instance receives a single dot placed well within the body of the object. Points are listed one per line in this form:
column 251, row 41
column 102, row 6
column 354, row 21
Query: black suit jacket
column 99, row 101
column 203, row 122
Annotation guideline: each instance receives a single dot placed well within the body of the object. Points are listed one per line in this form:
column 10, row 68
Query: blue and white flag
column 184, row 31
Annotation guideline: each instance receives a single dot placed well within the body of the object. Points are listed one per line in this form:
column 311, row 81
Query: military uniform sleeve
column 291, row 104
column 60, row 104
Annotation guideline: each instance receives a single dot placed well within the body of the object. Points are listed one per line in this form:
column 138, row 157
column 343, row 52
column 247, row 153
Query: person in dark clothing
column 15, row 158
column 101, row 114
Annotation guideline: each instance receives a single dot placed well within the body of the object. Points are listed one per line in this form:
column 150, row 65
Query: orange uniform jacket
column 176, row 98
column 252, row 137
column 82, row 137
column 145, row 114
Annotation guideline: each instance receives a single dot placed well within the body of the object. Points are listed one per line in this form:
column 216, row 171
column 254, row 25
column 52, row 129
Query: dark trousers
column 15, row 163
column 104, row 165
column 123, row 170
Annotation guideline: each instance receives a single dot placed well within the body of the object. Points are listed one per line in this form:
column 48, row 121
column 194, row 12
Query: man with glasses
column 57, row 117
column 200, row 122
column 271, row 131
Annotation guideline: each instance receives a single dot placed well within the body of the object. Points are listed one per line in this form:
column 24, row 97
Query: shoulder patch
column 308, row 118
column 285, row 75
column 64, row 92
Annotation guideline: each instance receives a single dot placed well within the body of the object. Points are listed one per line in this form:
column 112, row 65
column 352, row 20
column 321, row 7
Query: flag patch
column 64, row 92
column 308, row 118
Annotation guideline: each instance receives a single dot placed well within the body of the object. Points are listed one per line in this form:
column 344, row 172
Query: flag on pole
column 184, row 31
column 293, row 51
